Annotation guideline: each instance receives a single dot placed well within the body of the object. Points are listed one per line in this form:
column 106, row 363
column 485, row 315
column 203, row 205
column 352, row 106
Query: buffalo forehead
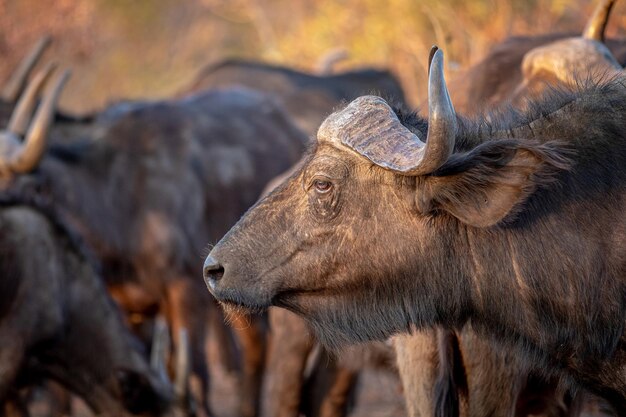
column 370, row 127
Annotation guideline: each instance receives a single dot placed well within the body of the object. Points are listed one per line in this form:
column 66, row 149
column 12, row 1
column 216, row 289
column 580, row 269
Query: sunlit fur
column 519, row 231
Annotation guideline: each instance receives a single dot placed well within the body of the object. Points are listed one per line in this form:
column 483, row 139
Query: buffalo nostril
column 212, row 271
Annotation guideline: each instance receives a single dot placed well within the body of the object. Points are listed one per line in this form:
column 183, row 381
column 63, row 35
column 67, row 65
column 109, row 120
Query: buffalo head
column 570, row 59
column 371, row 208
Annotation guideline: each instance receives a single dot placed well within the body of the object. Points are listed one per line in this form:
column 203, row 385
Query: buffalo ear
column 483, row 187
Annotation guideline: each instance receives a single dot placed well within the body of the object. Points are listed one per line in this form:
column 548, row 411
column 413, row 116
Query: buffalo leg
column 223, row 339
column 337, row 399
column 187, row 311
column 290, row 344
column 327, row 392
column 250, row 334
column 416, row 356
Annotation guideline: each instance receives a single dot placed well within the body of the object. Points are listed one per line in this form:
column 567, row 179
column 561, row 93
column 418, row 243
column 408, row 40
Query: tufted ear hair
column 483, row 187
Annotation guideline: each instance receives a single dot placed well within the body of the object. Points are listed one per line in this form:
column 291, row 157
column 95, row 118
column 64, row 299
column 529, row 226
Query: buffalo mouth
column 234, row 301
column 284, row 299
column 238, row 306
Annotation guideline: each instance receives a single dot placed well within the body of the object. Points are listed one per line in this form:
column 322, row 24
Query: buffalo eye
column 322, row 186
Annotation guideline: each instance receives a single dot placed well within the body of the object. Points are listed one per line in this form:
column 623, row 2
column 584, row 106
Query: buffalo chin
column 237, row 303
column 234, row 309
column 337, row 321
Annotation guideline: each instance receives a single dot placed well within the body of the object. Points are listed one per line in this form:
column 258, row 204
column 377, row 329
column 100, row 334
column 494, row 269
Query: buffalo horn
column 599, row 19
column 15, row 85
column 34, row 146
column 24, row 108
column 326, row 64
column 371, row 128
column 442, row 124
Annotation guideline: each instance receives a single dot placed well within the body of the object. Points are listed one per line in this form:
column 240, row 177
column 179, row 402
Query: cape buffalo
column 394, row 221
column 525, row 65
column 308, row 98
column 491, row 381
column 57, row 320
column 125, row 187
column 55, row 312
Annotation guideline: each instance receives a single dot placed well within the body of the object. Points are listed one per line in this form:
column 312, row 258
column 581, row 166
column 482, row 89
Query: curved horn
column 433, row 49
column 442, row 124
column 15, row 85
column 371, row 128
column 599, row 19
column 22, row 112
column 182, row 364
column 35, row 142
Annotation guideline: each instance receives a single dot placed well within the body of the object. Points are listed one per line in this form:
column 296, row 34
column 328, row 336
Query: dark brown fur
column 560, row 161
column 497, row 80
column 327, row 392
column 127, row 189
column 57, row 320
column 308, row 98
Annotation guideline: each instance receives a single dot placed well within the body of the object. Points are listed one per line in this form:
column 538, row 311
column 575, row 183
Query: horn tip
column 431, row 55
column 45, row 40
column 50, row 66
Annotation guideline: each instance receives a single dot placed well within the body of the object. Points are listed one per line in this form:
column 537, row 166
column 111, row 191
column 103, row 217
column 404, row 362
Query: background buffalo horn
column 34, row 146
column 597, row 24
column 15, row 85
column 442, row 122
column 326, row 64
column 182, row 364
column 160, row 348
column 24, row 109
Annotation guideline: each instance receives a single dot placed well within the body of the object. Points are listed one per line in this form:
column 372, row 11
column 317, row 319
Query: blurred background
column 150, row 49
column 123, row 49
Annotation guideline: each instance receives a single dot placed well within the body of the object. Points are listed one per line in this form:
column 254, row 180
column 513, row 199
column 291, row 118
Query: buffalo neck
column 550, row 279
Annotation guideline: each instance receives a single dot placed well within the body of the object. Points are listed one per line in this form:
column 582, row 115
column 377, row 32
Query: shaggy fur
column 151, row 183
column 56, row 314
column 542, row 269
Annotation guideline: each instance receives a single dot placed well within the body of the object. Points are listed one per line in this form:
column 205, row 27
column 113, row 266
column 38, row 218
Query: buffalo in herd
column 474, row 252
